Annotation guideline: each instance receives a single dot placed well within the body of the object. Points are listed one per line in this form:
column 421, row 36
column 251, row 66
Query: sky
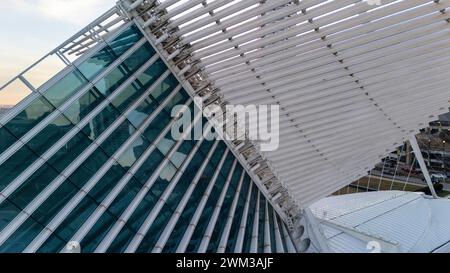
column 29, row 29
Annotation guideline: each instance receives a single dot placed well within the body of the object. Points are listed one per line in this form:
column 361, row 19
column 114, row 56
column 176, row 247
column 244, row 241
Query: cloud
column 76, row 12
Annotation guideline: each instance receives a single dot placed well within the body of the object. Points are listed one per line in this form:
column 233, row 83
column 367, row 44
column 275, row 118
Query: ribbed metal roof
column 413, row 221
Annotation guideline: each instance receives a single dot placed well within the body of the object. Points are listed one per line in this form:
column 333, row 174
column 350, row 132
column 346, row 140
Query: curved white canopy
column 353, row 79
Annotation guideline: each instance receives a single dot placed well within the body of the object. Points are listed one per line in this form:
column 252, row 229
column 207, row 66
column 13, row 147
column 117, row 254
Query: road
column 402, row 179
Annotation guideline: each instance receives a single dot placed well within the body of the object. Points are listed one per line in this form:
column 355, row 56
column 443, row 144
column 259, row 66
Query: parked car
column 437, row 178
column 389, row 163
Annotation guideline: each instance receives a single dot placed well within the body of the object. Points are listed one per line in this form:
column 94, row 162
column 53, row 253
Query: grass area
column 386, row 184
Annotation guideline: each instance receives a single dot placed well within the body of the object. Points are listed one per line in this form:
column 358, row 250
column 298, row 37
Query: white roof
column 411, row 221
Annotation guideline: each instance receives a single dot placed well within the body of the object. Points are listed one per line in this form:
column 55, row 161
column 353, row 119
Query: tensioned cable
column 409, row 174
column 396, row 167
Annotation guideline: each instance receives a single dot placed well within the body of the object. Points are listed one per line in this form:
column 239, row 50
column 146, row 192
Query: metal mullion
column 213, row 220
column 81, row 233
column 226, row 230
column 108, row 239
column 243, row 223
column 181, row 206
column 102, row 28
column 18, row 108
column 109, row 199
column 79, row 48
column 287, row 239
column 267, row 230
column 255, row 232
column 63, row 213
column 41, row 197
column 143, row 230
column 59, row 110
column 184, row 242
column 27, row 101
column 79, row 60
column 77, row 128
column 278, row 239
column 105, row 16
column 61, row 142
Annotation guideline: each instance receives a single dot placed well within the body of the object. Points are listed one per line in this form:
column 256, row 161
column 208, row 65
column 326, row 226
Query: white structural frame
column 423, row 165
column 333, row 66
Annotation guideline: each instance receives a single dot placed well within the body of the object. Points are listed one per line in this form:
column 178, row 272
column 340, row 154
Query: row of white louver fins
column 353, row 79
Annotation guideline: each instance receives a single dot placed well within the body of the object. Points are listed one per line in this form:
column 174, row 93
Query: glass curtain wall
column 93, row 160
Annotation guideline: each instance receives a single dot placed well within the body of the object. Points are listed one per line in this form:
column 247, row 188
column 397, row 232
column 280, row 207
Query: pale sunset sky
column 31, row 28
